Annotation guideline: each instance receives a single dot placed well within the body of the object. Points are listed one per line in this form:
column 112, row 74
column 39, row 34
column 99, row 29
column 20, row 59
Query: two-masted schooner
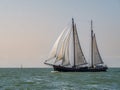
column 67, row 56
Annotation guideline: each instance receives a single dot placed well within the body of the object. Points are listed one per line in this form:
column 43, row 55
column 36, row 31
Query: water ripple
column 43, row 79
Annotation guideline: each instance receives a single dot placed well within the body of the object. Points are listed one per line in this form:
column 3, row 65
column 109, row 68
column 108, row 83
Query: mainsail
column 96, row 55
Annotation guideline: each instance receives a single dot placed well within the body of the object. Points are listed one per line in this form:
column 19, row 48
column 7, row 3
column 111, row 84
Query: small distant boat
column 67, row 56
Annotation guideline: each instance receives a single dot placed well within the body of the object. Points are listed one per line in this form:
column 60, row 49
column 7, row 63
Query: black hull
column 80, row 69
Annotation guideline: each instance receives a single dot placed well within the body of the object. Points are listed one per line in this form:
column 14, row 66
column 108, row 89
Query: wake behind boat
column 67, row 56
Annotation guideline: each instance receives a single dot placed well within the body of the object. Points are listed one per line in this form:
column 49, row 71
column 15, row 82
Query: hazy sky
column 29, row 28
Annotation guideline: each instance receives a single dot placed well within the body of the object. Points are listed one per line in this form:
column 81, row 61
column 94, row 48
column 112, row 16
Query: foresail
column 64, row 44
column 68, row 41
column 66, row 60
column 61, row 50
column 49, row 61
column 55, row 46
column 96, row 55
column 79, row 57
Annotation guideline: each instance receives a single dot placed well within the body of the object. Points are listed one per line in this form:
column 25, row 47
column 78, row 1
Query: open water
column 46, row 79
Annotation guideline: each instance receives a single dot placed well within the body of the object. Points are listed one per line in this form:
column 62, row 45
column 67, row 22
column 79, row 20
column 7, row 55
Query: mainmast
column 91, row 45
column 73, row 41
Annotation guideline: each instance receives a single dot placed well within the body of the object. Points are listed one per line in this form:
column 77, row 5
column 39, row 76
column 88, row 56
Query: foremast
column 73, row 28
column 78, row 55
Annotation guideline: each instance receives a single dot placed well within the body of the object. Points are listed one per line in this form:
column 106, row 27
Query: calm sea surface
column 44, row 79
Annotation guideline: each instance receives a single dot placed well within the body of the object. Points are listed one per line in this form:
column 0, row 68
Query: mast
column 91, row 45
column 73, row 41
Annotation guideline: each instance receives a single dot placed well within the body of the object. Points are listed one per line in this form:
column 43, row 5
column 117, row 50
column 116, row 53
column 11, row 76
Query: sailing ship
column 67, row 55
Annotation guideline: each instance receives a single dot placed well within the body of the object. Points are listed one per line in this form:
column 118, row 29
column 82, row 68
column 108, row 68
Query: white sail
column 79, row 57
column 71, row 50
column 67, row 55
column 55, row 46
column 66, row 60
column 96, row 55
column 62, row 46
